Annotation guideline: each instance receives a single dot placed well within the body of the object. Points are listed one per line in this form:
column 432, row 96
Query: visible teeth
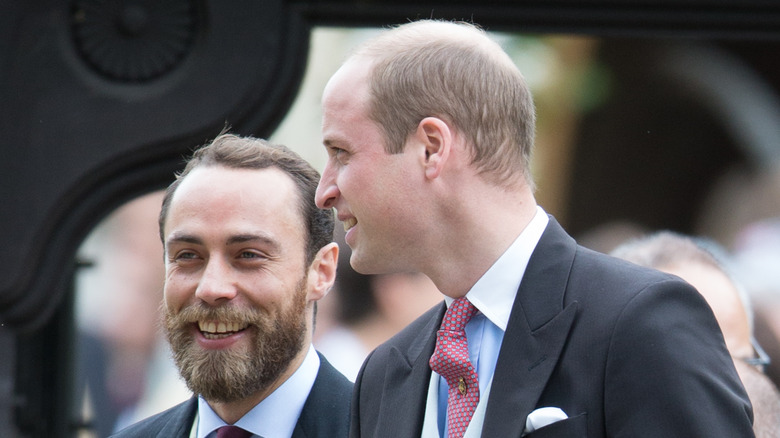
column 220, row 327
column 349, row 223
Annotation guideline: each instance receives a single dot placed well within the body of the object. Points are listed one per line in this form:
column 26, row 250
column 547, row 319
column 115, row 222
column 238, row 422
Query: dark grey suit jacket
column 625, row 351
column 325, row 413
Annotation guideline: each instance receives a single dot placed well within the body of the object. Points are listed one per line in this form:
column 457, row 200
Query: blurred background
column 642, row 126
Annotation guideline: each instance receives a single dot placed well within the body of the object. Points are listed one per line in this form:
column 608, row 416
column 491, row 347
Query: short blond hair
column 453, row 71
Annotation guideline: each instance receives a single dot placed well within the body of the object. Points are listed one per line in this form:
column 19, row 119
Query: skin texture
column 234, row 252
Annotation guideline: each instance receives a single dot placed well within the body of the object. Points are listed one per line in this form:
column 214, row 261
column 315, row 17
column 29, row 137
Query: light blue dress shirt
column 493, row 295
column 277, row 414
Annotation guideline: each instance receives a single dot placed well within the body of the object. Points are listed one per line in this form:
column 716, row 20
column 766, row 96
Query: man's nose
column 327, row 190
column 217, row 284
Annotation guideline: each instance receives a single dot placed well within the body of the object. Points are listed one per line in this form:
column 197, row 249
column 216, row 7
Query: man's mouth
column 219, row 329
column 349, row 223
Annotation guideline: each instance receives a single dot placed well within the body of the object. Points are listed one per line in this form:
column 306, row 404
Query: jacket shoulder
column 174, row 422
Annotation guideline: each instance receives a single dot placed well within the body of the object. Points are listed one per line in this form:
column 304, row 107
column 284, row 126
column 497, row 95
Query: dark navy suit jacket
column 623, row 350
column 325, row 413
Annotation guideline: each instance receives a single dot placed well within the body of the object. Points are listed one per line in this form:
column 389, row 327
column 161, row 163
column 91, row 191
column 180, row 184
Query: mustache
column 226, row 313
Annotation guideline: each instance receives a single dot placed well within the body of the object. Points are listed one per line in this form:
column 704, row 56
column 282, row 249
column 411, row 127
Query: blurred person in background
column 706, row 266
column 742, row 212
column 757, row 258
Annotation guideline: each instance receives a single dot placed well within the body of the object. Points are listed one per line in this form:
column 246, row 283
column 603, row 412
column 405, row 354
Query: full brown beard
column 235, row 374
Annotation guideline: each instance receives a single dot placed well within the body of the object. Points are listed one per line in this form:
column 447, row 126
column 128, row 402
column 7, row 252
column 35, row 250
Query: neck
column 477, row 236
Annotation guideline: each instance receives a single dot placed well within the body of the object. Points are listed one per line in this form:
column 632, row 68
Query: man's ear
column 322, row 272
column 436, row 137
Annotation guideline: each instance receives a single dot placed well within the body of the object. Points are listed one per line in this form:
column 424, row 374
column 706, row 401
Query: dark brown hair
column 236, row 152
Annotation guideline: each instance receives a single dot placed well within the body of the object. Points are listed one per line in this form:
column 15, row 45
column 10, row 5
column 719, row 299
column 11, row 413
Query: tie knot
column 458, row 314
column 232, row 432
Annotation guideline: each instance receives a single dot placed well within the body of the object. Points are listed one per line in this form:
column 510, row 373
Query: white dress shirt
column 276, row 415
column 493, row 295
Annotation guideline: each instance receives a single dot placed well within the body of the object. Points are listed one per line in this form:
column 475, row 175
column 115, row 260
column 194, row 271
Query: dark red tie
column 451, row 361
column 232, row 432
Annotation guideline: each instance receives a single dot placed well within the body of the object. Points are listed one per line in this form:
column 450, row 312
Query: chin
column 367, row 267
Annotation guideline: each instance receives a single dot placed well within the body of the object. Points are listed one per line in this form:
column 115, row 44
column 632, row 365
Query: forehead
column 352, row 75
column 345, row 103
column 348, row 87
column 236, row 200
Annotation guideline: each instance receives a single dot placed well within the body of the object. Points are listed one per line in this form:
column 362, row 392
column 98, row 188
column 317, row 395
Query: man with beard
column 247, row 256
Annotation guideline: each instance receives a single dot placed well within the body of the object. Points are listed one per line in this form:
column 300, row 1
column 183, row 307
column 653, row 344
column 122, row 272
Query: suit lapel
column 326, row 410
column 402, row 398
column 538, row 328
column 181, row 421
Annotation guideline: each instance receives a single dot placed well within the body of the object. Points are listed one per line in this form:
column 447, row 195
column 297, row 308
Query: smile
column 219, row 329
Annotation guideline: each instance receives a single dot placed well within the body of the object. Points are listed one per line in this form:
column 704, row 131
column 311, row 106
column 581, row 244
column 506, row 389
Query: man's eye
column 338, row 153
column 250, row 255
column 185, row 255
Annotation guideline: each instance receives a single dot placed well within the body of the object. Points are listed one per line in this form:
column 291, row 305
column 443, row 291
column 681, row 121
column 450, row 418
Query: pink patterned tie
column 451, row 361
column 232, row 432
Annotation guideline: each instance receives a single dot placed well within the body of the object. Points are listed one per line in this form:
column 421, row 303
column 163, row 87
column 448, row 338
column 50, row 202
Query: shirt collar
column 278, row 413
column 494, row 293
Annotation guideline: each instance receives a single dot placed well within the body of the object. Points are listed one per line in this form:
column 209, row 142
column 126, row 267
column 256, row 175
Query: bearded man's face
column 237, row 286
column 230, row 374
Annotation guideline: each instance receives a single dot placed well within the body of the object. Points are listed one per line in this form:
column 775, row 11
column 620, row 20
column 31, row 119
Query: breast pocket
column 572, row 427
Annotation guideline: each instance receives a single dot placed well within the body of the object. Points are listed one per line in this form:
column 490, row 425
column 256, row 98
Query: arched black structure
column 101, row 99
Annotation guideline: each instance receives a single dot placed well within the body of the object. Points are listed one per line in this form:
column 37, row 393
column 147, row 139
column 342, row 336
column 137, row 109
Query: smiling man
column 429, row 129
column 247, row 256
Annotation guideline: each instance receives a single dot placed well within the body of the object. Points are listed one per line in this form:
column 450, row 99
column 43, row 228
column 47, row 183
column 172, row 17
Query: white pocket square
column 542, row 417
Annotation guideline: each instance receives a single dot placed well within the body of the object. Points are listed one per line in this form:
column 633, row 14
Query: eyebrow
column 332, row 142
column 244, row 238
column 179, row 237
